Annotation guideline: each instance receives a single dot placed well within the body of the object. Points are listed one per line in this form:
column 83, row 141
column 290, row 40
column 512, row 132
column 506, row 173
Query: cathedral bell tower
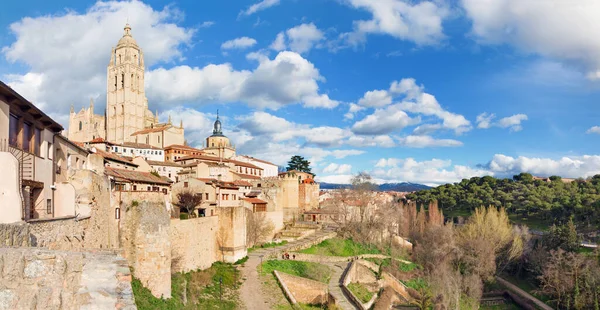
column 126, row 102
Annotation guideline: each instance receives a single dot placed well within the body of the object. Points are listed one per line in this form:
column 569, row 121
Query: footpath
column 250, row 291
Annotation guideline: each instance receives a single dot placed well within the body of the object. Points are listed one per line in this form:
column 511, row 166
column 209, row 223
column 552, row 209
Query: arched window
column 122, row 80
column 115, row 82
column 132, row 81
column 119, row 58
column 80, row 126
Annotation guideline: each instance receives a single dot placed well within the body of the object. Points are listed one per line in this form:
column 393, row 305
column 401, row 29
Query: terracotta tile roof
column 115, row 157
column 254, row 200
column 260, row 160
column 242, row 183
column 206, row 180
column 248, row 176
column 163, row 163
column 185, row 147
column 99, row 140
column 140, row 145
column 149, row 130
column 136, row 176
column 201, row 157
column 244, row 164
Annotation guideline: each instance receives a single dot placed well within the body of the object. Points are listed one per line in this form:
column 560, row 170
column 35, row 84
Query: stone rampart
column 193, row 243
column 302, row 290
column 33, row 278
column 145, row 238
column 231, row 237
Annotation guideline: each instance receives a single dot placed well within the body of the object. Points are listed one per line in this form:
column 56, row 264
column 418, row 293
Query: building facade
column 126, row 117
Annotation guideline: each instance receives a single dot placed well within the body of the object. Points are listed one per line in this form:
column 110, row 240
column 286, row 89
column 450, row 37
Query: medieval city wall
column 276, row 217
column 32, row 278
column 231, row 236
column 145, row 239
column 193, row 243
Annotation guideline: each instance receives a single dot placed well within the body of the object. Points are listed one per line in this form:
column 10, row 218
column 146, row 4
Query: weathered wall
column 10, row 199
column 145, row 239
column 303, row 290
column 64, row 200
column 15, row 235
column 231, row 237
column 308, row 196
column 276, row 217
column 42, row 279
column 359, row 273
column 193, row 243
column 95, row 226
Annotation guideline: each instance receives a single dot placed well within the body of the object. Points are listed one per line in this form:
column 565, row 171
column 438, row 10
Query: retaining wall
column 303, row 290
column 193, row 243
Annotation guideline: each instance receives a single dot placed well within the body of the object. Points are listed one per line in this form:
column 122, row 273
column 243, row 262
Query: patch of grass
column 266, row 245
column 314, row 271
column 241, row 260
column 361, row 292
column 340, row 247
column 202, row 289
column 408, row 267
column 417, row 284
column 534, row 221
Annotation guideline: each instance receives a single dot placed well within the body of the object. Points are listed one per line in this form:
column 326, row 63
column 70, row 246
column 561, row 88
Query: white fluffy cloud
column 384, row 121
column 287, row 79
column 238, row 43
column 73, row 63
column 485, row 120
column 300, row 39
column 571, row 167
column 553, row 28
column 430, row 172
column 413, row 100
column 419, row 22
column 337, row 168
column 421, row 141
column 594, row 129
column 259, row 6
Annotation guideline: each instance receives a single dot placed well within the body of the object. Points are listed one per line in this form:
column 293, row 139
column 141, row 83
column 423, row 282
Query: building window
column 206, row 194
column 135, row 187
column 13, row 131
column 49, row 206
column 26, row 146
column 158, row 139
column 80, row 126
column 122, row 78
column 50, row 151
column 117, row 213
column 37, row 142
column 148, row 188
column 185, row 184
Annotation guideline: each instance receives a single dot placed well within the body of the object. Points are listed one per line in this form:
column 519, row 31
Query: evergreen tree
column 298, row 162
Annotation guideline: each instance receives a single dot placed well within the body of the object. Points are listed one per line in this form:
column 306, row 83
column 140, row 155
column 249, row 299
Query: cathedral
column 127, row 118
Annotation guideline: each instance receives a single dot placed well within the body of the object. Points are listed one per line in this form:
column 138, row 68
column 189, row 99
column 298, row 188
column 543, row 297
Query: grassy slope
column 340, row 247
column 308, row 270
column 201, row 288
column 360, row 291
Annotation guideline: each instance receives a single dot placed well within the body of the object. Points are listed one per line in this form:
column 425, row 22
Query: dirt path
column 517, row 290
column 251, row 293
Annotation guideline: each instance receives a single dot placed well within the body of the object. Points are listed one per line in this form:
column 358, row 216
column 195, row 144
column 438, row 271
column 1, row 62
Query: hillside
column 524, row 197
column 397, row 187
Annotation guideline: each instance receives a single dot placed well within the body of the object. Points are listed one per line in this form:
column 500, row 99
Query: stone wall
column 193, row 243
column 231, row 237
column 308, row 196
column 15, row 235
column 145, row 239
column 359, row 273
column 303, row 290
column 43, row 279
column 276, row 217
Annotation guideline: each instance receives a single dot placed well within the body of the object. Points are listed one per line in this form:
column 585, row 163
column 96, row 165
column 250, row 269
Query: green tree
column 298, row 162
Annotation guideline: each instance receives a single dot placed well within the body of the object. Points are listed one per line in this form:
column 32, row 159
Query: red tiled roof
column 163, row 163
column 179, row 146
column 254, row 200
column 115, row 157
column 149, row 130
column 206, row 180
column 244, row 164
column 99, row 140
column 136, row 176
column 201, row 157
column 242, row 183
column 248, row 176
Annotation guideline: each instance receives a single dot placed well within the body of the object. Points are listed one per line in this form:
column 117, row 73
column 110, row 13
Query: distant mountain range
column 397, row 187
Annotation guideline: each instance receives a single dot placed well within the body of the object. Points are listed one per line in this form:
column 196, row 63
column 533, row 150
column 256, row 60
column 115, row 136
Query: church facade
column 126, row 117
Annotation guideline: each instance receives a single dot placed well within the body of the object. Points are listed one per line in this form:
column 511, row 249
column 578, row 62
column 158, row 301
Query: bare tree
column 188, row 200
column 258, row 228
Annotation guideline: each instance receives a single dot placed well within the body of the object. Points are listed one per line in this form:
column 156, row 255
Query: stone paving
column 335, row 286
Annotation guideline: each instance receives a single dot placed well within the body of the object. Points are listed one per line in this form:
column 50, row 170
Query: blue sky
column 418, row 91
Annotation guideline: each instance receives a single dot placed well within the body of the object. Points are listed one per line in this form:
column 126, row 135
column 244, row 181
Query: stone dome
column 127, row 39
